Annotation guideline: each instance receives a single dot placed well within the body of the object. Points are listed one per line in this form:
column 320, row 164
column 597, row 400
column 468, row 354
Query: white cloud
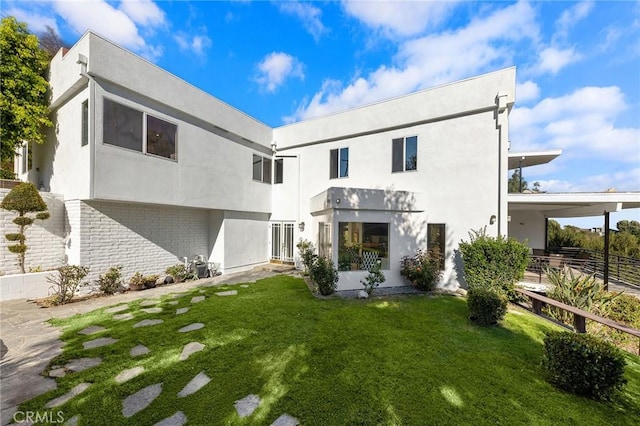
column 196, row 44
column 275, row 68
column 399, row 17
column 36, row 22
column 583, row 121
column 527, row 91
column 308, row 14
column 427, row 61
column 144, row 12
column 571, row 17
column 552, row 60
column 622, row 181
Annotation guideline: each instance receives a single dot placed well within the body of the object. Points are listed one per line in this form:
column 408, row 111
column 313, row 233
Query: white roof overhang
column 574, row 204
column 533, row 158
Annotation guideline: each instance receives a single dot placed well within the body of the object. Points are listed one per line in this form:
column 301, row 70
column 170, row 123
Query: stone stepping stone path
column 129, row 374
column 178, row 295
column 189, row 349
column 73, row 421
column 97, row 343
column 244, row 285
column 147, row 323
column 139, row 350
column 178, row 419
column 77, row 390
column 57, row 372
column 92, row 330
column 194, row 385
column 149, row 302
column 140, row 400
column 286, row 420
column 227, row 293
column 174, row 302
column 247, row 405
column 202, row 291
column 116, row 309
column 152, row 310
column 123, row 317
column 81, row 364
column 182, row 311
column 191, row 327
column 197, row 299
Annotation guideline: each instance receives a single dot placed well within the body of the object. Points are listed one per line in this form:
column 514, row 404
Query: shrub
column 494, row 262
column 66, row 281
column 581, row 291
column 180, row 274
column 111, row 281
column 325, row 275
column 373, row 279
column 23, row 199
column 583, row 364
column 486, row 306
column 625, row 308
column 423, row 269
column 307, row 254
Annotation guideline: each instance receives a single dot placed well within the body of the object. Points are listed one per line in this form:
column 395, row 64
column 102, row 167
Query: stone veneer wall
column 142, row 238
column 45, row 239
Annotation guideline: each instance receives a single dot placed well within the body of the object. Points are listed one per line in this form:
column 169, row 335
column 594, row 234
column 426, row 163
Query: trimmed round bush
column 583, row 364
column 486, row 306
column 325, row 275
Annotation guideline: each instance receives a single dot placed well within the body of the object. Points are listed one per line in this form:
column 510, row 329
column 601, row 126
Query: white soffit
column 533, row 158
column 574, row 204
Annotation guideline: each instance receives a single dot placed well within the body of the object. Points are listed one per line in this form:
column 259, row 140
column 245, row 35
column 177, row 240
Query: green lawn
column 406, row 360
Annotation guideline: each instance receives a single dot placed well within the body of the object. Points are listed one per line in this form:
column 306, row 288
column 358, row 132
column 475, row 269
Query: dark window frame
column 262, row 166
column 278, row 172
column 84, row 137
column 400, row 162
column 338, row 158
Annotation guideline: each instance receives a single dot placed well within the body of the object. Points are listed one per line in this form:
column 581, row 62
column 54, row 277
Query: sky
column 577, row 64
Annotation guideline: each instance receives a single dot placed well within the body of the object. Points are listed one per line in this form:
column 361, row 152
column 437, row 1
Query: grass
column 404, row 360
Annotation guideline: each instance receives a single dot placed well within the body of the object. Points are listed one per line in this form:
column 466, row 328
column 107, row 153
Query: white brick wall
column 139, row 237
column 45, row 239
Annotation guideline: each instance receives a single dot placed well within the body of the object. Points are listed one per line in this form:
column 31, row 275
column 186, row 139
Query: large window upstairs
column 404, row 154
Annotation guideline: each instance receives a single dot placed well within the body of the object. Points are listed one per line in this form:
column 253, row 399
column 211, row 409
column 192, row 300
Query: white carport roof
column 532, row 158
column 574, row 204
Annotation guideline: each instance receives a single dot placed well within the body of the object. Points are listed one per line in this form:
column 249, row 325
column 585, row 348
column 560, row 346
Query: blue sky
column 578, row 64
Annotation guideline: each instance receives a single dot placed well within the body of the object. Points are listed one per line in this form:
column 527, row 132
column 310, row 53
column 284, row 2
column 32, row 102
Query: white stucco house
column 151, row 169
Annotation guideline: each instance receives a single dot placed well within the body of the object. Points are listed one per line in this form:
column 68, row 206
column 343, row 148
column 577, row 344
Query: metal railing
column 621, row 268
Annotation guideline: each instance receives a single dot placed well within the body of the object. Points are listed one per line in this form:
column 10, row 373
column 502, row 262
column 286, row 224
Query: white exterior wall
column 528, row 225
column 45, row 238
column 246, row 237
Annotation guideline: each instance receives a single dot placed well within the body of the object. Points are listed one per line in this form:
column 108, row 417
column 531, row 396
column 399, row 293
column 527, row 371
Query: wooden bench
column 579, row 316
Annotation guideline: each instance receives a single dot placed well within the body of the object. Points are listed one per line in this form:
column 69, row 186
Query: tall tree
column 51, row 42
column 514, row 182
column 24, row 103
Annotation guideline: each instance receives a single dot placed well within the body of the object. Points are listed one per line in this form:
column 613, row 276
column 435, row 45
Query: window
column 278, row 175
column 261, row 169
column 361, row 244
column 124, row 126
column 404, row 154
column 25, row 153
column 339, row 163
column 85, row 123
column 436, row 240
column 161, row 137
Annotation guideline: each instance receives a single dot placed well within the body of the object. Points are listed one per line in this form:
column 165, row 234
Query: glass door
column 282, row 241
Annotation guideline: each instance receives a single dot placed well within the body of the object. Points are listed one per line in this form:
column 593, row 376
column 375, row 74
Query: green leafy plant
column 373, row 279
column 307, row 253
column 581, row 291
column 137, row 280
column 583, row 364
column 23, row 199
column 422, row 269
column 325, row 275
column 495, row 262
column 111, row 281
column 66, row 281
column 624, row 309
column 486, row 306
column 180, row 274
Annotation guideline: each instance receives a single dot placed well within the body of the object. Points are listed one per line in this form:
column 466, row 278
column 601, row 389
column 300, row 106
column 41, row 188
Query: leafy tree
column 514, row 182
column 630, row 226
column 23, row 199
column 24, row 104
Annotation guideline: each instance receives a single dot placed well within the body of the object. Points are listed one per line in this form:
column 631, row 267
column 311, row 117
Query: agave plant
column 581, row 291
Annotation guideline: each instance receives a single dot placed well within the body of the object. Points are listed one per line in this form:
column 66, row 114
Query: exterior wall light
column 492, row 219
column 301, row 226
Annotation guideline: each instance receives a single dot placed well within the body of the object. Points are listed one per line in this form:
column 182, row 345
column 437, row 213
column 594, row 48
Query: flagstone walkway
column 29, row 344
